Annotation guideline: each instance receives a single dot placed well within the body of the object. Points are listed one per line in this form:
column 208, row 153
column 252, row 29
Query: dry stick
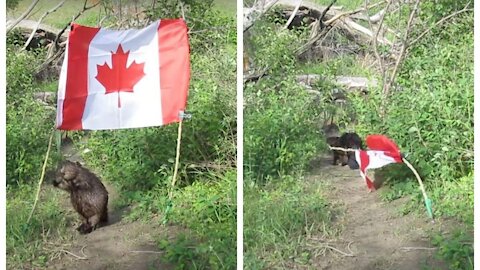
column 85, row 8
column 293, row 15
column 465, row 9
column 349, row 13
column 39, row 21
column 427, row 201
column 375, row 41
column 425, row 197
column 177, row 158
column 23, row 16
column 146, row 251
column 339, row 251
column 76, row 256
column 387, row 86
column 41, row 177
column 416, row 248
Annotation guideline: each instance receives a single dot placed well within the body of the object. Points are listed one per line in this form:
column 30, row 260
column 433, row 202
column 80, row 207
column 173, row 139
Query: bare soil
column 118, row 244
column 372, row 234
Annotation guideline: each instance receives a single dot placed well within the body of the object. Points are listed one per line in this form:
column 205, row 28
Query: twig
column 322, row 25
column 375, row 40
column 85, row 8
column 343, row 149
column 76, row 256
column 388, row 85
column 293, row 15
column 339, row 251
column 416, row 248
column 424, row 193
column 41, row 177
column 39, row 21
column 23, row 16
column 349, row 13
column 146, row 251
column 465, row 9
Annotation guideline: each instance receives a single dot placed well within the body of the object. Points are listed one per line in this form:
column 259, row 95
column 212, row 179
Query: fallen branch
column 416, row 248
column 293, row 15
column 389, row 83
column 39, row 22
column 85, row 8
column 339, row 251
column 23, row 16
column 322, row 24
column 76, row 256
column 146, row 251
column 250, row 15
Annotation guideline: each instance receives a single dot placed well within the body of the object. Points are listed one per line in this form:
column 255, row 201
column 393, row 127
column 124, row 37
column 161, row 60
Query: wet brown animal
column 350, row 140
column 332, row 134
column 88, row 195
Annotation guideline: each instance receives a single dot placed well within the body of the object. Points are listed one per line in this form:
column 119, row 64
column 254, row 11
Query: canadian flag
column 124, row 79
column 383, row 151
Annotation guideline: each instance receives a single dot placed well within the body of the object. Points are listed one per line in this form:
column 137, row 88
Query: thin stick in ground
column 42, row 176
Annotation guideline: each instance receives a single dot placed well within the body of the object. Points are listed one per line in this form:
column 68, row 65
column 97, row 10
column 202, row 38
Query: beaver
column 88, row 195
column 350, row 140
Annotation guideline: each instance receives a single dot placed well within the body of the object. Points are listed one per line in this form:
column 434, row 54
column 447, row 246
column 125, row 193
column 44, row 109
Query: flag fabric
column 113, row 79
column 383, row 151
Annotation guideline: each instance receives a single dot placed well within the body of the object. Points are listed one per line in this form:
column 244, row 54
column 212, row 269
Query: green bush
column 430, row 116
column 29, row 123
column 281, row 132
column 208, row 207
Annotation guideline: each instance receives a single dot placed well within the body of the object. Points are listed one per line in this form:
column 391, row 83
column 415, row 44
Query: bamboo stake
column 41, row 177
column 428, row 202
column 175, row 172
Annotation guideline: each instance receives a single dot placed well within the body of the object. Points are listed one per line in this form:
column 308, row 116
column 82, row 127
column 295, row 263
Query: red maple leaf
column 119, row 78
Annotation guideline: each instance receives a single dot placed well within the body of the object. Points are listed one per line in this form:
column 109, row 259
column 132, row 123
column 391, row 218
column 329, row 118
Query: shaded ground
column 373, row 234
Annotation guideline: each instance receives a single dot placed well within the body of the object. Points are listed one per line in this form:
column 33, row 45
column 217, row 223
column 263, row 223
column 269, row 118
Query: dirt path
column 373, row 232
column 118, row 245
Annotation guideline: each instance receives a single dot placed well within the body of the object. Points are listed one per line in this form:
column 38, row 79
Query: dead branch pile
column 329, row 24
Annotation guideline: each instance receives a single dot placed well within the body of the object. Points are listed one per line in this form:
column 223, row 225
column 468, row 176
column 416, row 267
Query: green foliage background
column 137, row 162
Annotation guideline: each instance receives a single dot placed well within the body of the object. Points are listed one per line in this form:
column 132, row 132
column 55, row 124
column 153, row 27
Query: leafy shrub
column 430, row 117
column 29, row 123
column 208, row 207
column 281, row 133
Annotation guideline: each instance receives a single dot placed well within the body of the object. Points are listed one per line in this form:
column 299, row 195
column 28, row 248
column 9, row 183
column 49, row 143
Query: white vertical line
column 239, row 135
column 476, row 148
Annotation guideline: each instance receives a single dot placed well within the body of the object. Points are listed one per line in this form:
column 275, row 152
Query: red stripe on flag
column 174, row 54
column 76, row 90
column 364, row 161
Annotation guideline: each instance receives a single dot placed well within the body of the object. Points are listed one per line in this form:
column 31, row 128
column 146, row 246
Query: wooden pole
column 175, row 172
column 177, row 159
column 41, row 177
column 428, row 202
